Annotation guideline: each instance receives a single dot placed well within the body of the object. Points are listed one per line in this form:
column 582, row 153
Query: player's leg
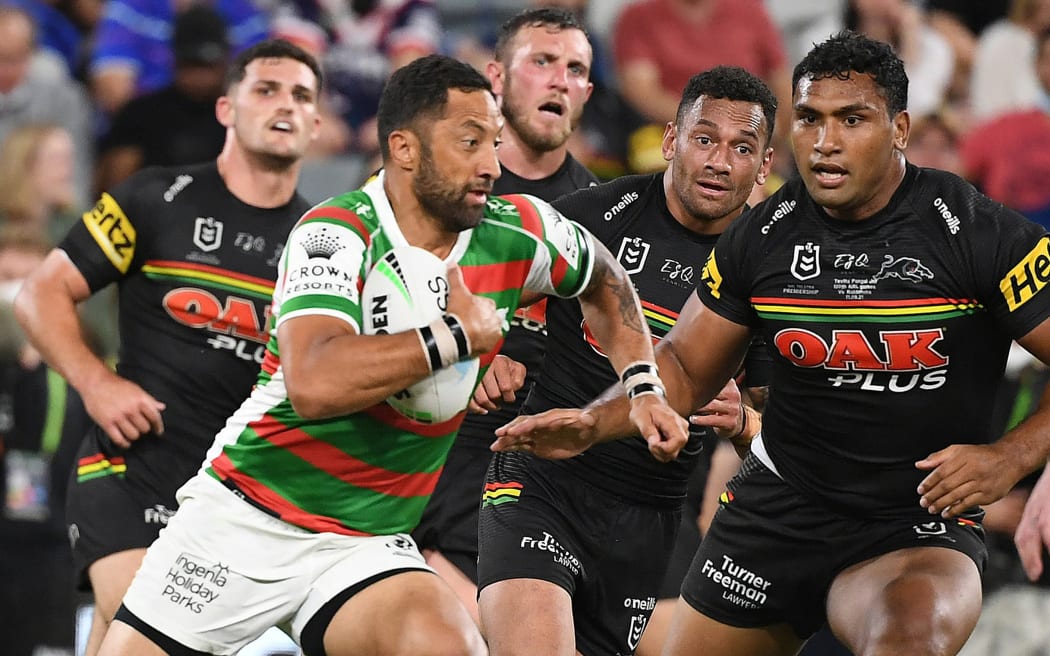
column 464, row 588
column 411, row 612
column 527, row 616
column 110, row 578
column 918, row 601
column 691, row 632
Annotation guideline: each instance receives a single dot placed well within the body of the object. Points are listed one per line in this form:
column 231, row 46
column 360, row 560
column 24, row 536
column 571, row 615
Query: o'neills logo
column 625, row 200
column 783, row 209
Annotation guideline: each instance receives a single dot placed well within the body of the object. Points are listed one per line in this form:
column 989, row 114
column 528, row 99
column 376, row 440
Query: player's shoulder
column 165, row 184
column 609, row 200
column 961, row 207
column 777, row 214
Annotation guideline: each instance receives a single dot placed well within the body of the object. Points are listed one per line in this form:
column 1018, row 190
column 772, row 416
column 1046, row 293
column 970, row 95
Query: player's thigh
column 465, row 589
column 527, row 616
column 692, row 632
column 412, row 612
column 916, row 598
column 110, row 578
column 122, row 640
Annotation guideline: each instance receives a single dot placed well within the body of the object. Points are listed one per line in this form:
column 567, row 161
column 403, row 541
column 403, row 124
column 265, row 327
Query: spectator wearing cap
column 133, row 50
column 174, row 125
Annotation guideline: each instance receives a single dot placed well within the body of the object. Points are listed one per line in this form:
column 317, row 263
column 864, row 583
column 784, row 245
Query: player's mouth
column 713, row 189
column 829, row 175
column 479, row 195
column 552, row 108
column 283, row 126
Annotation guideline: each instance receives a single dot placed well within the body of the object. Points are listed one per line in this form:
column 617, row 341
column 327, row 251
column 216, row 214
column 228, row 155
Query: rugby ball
column 407, row 288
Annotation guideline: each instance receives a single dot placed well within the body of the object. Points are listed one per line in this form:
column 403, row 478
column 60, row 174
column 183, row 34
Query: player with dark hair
column 193, row 250
column 300, row 514
column 541, row 78
column 888, row 295
column 573, row 552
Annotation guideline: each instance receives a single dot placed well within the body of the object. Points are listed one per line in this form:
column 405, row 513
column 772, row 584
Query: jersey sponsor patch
column 325, row 258
column 1028, row 277
column 711, row 276
column 112, row 231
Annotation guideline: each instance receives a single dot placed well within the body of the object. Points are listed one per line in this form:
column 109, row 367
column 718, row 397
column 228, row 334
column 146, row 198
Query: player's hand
column 664, row 429
column 724, row 413
column 965, row 475
column 1033, row 532
column 503, row 378
column 481, row 321
column 555, row 434
column 122, row 409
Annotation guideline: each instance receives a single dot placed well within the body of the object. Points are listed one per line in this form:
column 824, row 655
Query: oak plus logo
column 633, row 253
column 805, row 263
column 895, row 361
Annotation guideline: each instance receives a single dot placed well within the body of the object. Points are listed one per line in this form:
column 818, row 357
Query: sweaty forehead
column 857, row 89
column 280, row 69
column 475, row 105
column 735, row 115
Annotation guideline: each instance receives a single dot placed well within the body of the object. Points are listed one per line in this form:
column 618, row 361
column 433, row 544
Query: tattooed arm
column 614, row 313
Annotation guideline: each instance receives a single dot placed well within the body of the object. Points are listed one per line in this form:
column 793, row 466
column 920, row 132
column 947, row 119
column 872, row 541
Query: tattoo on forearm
column 628, row 305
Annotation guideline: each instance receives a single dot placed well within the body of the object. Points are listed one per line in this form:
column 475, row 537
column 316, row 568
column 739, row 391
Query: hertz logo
column 711, row 276
column 1028, row 276
column 112, row 231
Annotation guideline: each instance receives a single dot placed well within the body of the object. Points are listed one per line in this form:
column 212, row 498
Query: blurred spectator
column 36, row 180
column 57, row 36
column 1004, row 77
column 29, row 94
column 959, row 22
column 41, row 422
column 133, row 51
column 659, row 44
column 934, row 142
column 37, row 196
column 928, row 58
column 177, row 124
column 1008, row 157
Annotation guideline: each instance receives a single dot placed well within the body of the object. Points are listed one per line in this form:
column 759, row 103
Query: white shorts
column 222, row 572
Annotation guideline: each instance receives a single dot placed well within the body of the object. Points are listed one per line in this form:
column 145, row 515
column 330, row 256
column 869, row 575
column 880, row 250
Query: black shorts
column 771, row 555
column 114, row 512
column 540, row 522
column 450, row 520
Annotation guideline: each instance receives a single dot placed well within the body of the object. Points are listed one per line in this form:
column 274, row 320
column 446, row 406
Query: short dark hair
column 555, row 18
column 420, row 90
column 271, row 49
column 730, row 83
column 849, row 52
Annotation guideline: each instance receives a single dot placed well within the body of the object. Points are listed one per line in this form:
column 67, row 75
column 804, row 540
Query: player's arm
column 966, row 475
column 47, row 310
column 331, row 370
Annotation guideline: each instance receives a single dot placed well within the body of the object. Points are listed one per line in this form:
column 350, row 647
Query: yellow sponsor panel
column 711, row 276
column 112, row 231
column 1028, row 276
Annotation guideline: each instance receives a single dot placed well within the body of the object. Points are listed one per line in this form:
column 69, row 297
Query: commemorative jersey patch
column 112, row 231
column 1028, row 277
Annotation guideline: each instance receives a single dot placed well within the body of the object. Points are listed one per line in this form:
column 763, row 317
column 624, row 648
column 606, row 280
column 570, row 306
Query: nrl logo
column 207, row 234
column 805, row 263
column 634, row 633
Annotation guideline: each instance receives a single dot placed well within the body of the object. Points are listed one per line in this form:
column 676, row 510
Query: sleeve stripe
column 530, row 217
column 341, row 215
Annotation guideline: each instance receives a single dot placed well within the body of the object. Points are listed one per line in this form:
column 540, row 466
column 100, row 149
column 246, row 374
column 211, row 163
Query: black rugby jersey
column 664, row 259
column 526, row 340
column 195, row 268
column 888, row 336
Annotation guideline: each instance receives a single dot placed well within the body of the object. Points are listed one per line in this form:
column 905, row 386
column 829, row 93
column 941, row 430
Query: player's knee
column 913, row 618
column 443, row 641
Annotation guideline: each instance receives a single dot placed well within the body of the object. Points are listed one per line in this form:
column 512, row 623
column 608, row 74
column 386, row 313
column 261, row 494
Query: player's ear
column 901, row 129
column 404, row 149
column 224, row 111
column 668, row 145
column 495, row 71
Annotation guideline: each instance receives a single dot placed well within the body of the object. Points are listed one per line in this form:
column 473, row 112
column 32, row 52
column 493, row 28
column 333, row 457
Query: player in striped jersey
column 301, row 514
column 889, row 295
column 193, row 250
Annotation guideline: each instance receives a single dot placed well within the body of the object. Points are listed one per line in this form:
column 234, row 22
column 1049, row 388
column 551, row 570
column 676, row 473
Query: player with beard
column 573, row 552
column 193, row 250
column 889, row 296
column 301, row 512
column 540, row 75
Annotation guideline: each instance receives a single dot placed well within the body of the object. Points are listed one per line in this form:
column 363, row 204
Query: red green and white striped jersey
column 372, row 472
